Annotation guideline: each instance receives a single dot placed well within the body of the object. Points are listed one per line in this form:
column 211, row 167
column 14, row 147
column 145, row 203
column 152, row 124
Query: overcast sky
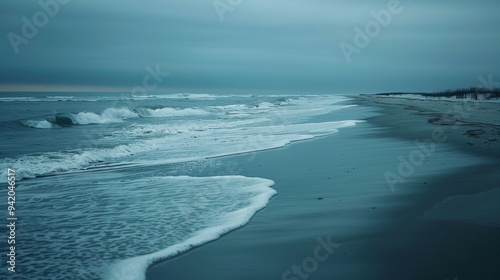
column 250, row 45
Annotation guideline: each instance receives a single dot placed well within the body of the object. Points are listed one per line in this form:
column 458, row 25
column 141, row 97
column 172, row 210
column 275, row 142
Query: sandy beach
column 242, row 140
column 340, row 217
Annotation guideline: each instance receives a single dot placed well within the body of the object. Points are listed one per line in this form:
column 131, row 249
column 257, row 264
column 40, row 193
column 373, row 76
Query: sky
column 306, row 46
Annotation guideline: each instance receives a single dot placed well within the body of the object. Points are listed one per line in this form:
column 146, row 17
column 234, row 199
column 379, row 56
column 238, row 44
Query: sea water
column 110, row 183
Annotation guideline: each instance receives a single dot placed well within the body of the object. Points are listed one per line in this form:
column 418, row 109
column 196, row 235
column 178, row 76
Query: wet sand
column 333, row 190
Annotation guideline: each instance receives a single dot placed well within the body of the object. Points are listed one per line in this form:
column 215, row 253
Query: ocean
column 109, row 183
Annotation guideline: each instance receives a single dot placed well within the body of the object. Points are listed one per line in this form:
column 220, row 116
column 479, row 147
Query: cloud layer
column 282, row 45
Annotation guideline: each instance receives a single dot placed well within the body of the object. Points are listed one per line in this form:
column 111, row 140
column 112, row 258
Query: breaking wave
column 110, row 115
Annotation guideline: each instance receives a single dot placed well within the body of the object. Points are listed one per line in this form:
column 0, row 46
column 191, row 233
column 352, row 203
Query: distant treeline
column 465, row 93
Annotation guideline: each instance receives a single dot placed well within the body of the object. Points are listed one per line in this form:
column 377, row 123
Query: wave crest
column 44, row 124
column 111, row 115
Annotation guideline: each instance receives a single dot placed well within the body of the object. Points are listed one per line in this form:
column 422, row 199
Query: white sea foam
column 110, row 115
column 164, row 216
column 185, row 127
column 265, row 105
column 191, row 96
column 172, row 112
column 61, row 98
column 179, row 147
column 135, row 268
column 44, row 124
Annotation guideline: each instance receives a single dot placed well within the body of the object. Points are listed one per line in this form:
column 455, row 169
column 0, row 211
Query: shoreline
column 459, row 119
column 345, row 197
